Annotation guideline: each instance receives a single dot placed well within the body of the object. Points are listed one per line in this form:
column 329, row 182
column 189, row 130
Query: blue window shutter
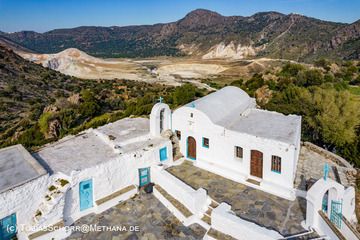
column 8, row 227
column 163, row 154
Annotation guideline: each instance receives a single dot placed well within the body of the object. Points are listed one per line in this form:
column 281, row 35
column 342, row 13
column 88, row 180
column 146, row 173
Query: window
column 178, row 134
column 205, row 142
column 163, row 154
column 276, row 164
column 238, row 152
column 191, row 115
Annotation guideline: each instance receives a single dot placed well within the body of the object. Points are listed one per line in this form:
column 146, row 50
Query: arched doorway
column 325, row 202
column 256, row 164
column 191, row 148
column 162, row 120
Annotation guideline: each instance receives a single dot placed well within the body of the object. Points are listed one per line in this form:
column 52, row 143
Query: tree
column 184, row 94
column 89, row 109
column 330, row 117
column 337, row 116
column 323, row 63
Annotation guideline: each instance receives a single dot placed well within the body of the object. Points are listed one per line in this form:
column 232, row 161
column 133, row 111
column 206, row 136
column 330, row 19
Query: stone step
column 178, row 205
column 252, row 181
column 213, row 204
column 114, row 195
column 207, row 219
column 51, row 228
column 219, row 235
column 209, row 211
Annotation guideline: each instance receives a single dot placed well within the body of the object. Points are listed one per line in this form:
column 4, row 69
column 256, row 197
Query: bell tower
column 160, row 118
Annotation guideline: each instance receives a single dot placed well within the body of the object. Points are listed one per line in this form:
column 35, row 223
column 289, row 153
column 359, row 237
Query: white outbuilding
column 86, row 173
column 22, row 181
column 225, row 133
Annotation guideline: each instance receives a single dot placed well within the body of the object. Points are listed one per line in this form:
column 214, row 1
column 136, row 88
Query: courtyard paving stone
column 265, row 209
column 155, row 221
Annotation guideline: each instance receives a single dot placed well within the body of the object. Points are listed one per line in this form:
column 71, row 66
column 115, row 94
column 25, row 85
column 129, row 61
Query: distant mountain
column 7, row 43
column 207, row 34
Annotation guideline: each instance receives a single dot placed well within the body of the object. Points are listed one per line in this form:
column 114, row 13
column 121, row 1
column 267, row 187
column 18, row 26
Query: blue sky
column 44, row 15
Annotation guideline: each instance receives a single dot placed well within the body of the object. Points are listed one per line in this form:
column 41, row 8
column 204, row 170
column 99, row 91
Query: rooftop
column 95, row 146
column 224, row 104
column 270, row 125
column 233, row 109
column 17, row 167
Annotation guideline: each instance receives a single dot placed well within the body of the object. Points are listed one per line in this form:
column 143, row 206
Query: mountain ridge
column 265, row 34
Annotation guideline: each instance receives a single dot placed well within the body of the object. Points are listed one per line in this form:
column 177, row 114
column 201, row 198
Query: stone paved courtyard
column 311, row 165
column 248, row 203
column 144, row 210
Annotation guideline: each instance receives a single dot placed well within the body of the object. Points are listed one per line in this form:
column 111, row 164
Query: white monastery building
column 223, row 132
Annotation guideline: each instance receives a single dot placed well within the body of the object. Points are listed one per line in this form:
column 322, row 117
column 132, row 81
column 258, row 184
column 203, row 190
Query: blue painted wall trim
column 203, row 139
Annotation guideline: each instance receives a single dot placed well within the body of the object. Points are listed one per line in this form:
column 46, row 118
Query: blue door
column 86, row 194
column 163, row 154
column 144, row 176
column 8, row 227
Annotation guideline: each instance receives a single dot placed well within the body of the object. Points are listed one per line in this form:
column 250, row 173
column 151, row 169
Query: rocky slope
column 207, row 34
column 77, row 63
column 24, row 86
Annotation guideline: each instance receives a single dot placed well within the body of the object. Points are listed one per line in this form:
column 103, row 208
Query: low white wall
column 324, row 229
column 225, row 221
column 194, row 200
column 348, row 232
column 349, row 204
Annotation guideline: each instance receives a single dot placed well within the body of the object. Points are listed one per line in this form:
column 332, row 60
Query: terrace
column 253, row 205
column 144, row 210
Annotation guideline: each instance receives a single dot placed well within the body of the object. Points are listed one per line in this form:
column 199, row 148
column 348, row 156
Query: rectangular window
column 191, row 115
column 238, row 152
column 205, row 142
column 178, row 134
column 163, row 154
column 276, row 164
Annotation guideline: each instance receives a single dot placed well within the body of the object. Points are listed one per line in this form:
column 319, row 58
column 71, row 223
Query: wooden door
column 256, row 164
column 191, row 148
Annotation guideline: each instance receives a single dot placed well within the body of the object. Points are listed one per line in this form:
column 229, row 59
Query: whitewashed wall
column 194, row 200
column 24, row 200
column 155, row 118
column 110, row 177
column 220, row 156
column 337, row 192
column 324, row 229
column 222, row 219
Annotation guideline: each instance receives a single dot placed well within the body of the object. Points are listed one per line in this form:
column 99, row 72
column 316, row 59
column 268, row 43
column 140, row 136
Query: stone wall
column 331, row 156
